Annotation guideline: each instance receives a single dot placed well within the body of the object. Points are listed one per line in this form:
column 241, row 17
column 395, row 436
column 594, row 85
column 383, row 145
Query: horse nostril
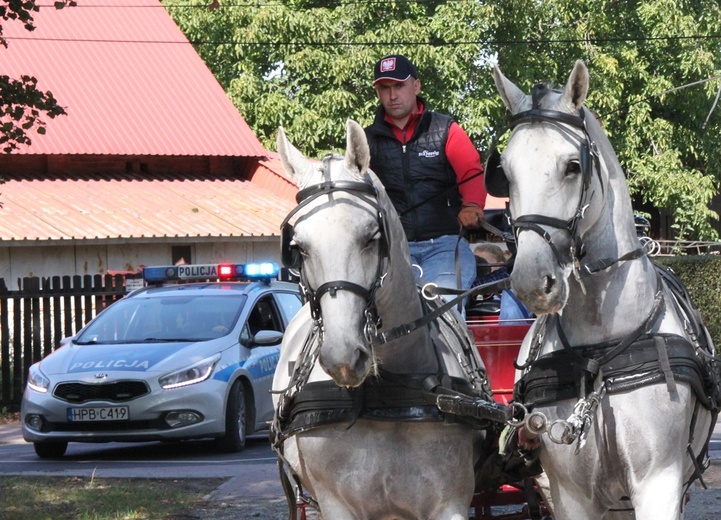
column 549, row 282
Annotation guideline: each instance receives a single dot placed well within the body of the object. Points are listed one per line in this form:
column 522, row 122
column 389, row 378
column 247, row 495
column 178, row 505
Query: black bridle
column 292, row 257
column 589, row 161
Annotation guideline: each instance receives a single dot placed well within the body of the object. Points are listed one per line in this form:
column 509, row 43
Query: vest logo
column 426, row 153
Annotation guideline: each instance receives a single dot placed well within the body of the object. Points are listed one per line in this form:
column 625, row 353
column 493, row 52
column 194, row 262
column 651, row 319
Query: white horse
column 609, row 362
column 355, row 428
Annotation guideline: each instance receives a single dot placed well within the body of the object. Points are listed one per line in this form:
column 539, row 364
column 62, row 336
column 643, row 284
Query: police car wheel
column 236, row 428
column 50, row 450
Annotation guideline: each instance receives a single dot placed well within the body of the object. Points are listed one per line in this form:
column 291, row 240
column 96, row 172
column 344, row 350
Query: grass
column 87, row 498
column 80, row 498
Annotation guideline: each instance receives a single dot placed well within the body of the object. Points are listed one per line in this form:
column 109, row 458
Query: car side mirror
column 266, row 338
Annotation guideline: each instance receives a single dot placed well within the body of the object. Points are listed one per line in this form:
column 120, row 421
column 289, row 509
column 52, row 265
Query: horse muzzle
column 542, row 291
column 348, row 365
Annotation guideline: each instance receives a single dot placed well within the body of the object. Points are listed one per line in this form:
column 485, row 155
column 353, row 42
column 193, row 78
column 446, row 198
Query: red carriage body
column 498, row 345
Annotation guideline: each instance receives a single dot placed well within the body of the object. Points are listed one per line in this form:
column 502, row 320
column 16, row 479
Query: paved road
column 253, row 472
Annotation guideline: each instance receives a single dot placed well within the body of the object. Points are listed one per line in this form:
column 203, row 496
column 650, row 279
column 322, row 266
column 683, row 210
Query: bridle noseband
column 293, row 259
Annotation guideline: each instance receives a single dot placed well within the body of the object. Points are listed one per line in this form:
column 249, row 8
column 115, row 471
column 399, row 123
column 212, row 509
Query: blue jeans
column 437, row 258
column 512, row 309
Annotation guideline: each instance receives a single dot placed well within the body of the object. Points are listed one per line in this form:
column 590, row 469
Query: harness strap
column 525, row 220
column 391, row 397
column 604, row 263
column 505, row 236
column 698, row 470
column 593, row 365
column 664, row 363
column 289, row 491
column 338, row 285
column 307, row 195
column 529, row 222
column 551, row 116
column 406, row 328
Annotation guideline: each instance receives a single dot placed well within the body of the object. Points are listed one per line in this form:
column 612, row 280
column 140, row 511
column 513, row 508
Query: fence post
column 87, row 298
column 67, row 306
column 47, row 312
column 57, row 314
column 78, row 303
column 4, row 344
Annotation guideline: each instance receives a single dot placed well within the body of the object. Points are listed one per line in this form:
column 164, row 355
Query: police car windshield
column 165, row 319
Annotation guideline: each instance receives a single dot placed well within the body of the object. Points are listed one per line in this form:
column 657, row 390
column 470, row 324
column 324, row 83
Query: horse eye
column 573, row 168
column 375, row 238
column 299, row 247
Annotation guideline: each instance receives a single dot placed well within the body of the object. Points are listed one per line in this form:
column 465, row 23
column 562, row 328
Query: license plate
column 106, row 413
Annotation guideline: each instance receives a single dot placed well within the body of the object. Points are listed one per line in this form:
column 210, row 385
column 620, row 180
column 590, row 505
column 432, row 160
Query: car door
column 265, row 315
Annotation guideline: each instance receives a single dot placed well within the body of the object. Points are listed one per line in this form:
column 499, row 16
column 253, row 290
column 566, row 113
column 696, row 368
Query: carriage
column 498, row 344
column 389, row 406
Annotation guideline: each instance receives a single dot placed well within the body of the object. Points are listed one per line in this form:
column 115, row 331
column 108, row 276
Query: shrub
column 702, row 276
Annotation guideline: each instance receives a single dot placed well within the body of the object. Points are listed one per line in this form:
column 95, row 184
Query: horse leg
column 544, row 488
column 332, row 509
column 573, row 506
column 659, row 496
column 655, row 483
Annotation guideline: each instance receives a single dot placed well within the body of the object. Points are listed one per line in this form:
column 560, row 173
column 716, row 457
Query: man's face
column 398, row 97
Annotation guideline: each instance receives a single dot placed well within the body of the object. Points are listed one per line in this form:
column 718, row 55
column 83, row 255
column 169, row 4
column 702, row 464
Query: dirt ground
column 704, row 505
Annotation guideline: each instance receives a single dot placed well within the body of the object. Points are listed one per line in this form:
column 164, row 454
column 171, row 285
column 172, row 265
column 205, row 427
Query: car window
column 168, row 318
column 289, row 304
column 264, row 316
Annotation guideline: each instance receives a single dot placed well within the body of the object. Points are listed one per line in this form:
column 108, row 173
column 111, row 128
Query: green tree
column 307, row 65
column 21, row 102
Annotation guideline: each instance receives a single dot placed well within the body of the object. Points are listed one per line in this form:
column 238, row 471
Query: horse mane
column 397, row 236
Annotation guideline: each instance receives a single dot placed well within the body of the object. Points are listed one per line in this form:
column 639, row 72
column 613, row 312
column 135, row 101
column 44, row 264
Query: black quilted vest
column 417, row 176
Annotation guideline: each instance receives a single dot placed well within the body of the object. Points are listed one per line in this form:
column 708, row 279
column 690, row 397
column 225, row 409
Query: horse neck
column 612, row 302
column 398, row 303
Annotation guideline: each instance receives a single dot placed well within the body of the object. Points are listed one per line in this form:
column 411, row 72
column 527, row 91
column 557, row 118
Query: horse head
column 557, row 169
column 341, row 241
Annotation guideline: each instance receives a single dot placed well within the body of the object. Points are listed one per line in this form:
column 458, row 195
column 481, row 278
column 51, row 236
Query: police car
column 169, row 361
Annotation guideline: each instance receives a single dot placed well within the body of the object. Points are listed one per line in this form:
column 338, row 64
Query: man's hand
column 471, row 215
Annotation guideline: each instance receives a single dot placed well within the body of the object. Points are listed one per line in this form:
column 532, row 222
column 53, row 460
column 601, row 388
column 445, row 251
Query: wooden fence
column 37, row 316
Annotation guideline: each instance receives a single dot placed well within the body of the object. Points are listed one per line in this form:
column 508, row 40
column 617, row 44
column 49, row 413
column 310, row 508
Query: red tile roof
column 59, row 209
column 129, row 80
column 271, row 175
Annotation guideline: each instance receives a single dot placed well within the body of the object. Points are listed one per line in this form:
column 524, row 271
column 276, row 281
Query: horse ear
column 574, row 94
column 513, row 97
column 357, row 154
column 294, row 162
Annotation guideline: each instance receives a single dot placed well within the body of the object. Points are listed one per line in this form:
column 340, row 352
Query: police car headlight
column 37, row 380
column 196, row 373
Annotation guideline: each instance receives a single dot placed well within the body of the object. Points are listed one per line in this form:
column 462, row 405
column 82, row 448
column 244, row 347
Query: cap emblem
column 388, row 64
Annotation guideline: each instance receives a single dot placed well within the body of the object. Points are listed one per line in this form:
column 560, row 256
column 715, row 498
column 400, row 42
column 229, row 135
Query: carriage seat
column 490, row 308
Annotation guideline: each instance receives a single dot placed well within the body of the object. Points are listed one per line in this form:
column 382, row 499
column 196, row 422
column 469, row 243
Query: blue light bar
column 160, row 274
column 225, row 272
column 261, row 270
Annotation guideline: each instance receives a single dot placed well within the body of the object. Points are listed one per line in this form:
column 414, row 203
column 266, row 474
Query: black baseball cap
column 394, row 67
